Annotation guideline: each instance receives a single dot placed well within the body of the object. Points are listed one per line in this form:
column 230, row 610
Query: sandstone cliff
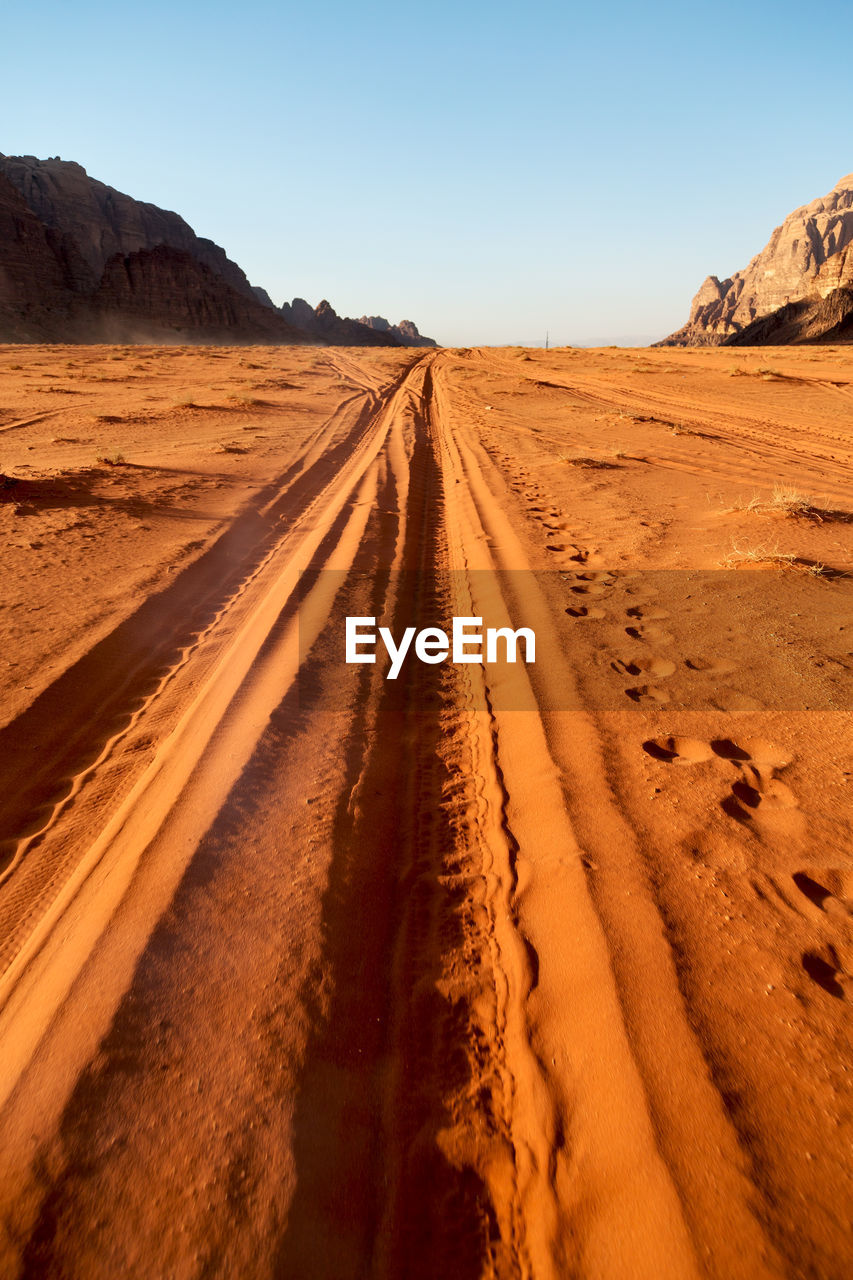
column 80, row 262
column 828, row 319
column 806, row 258
column 263, row 296
column 42, row 274
column 405, row 332
column 104, row 222
column 164, row 294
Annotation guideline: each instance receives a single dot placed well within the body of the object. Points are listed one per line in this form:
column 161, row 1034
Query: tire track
column 624, row 1166
column 77, row 960
column 64, row 739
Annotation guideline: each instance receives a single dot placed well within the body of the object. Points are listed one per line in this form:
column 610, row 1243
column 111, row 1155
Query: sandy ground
column 487, row 971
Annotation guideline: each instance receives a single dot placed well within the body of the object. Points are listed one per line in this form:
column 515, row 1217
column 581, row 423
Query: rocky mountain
column 82, row 262
column 104, row 222
column 263, row 297
column 324, row 323
column 155, row 293
column 406, row 332
column 807, row 258
column 42, row 273
column 828, row 319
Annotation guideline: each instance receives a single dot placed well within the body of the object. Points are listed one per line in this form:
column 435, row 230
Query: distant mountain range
column 82, row 262
column 325, row 325
column 798, row 289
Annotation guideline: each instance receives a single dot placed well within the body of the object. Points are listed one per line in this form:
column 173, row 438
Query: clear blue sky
column 487, row 170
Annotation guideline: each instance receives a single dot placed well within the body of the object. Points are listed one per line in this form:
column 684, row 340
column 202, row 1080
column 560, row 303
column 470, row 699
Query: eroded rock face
column 379, row 323
column 63, row 279
column 807, row 257
column 405, row 332
column 81, row 261
column 164, row 293
column 300, row 313
column 338, row 331
column 50, row 291
column 828, row 319
column 42, row 273
column 263, row 297
column 104, row 222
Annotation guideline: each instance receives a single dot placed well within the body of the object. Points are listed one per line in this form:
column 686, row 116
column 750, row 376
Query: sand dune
column 485, row 971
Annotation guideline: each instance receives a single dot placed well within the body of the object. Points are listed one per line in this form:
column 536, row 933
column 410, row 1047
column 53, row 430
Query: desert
column 475, row 972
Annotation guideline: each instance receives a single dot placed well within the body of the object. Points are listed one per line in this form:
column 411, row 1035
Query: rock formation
column 808, row 257
column 104, row 222
column 299, row 313
column 828, row 319
column 263, row 297
column 164, row 294
column 406, row 332
column 82, row 262
column 324, row 323
column 62, row 278
column 42, row 274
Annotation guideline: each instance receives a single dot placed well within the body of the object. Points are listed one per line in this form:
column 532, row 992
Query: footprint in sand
column 756, row 751
column 570, row 555
column 648, row 615
column 827, row 888
column 757, row 795
column 660, row 668
column 770, row 791
column 711, row 666
column 824, row 967
column 648, row 693
column 679, row 750
column 656, row 635
column 585, row 611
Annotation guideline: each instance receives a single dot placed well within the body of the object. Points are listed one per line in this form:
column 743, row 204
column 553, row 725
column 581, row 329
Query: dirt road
column 533, row 972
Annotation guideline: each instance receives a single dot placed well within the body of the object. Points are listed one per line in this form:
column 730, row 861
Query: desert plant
column 742, row 554
column 785, row 500
column 789, row 501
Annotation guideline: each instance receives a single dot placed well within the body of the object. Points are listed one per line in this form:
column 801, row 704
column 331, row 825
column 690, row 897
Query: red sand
column 307, row 973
